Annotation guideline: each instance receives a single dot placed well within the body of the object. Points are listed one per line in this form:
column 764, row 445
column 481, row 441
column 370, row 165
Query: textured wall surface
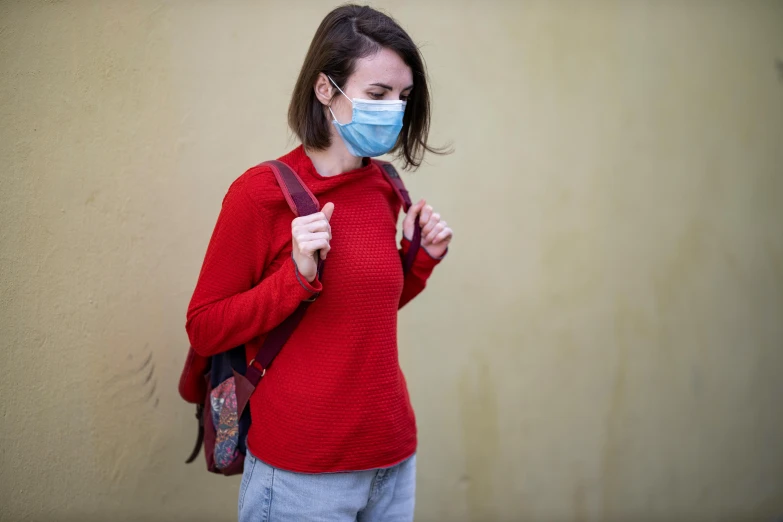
column 605, row 342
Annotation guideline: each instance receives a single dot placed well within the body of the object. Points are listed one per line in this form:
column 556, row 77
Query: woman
column 333, row 435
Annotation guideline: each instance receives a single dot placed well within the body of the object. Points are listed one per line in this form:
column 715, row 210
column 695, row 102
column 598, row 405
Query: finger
column 304, row 220
column 434, row 231
column 328, row 210
column 301, row 237
column 309, row 248
column 315, row 236
column 443, row 237
column 425, row 215
column 415, row 210
column 431, row 224
column 315, row 226
column 325, row 250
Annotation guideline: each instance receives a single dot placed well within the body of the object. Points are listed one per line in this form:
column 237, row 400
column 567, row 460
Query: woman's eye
column 376, row 95
column 405, row 97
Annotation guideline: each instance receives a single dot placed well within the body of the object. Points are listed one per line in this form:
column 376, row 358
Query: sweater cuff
column 423, row 258
column 303, row 288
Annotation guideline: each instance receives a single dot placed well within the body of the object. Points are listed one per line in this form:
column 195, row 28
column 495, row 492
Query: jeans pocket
column 247, row 476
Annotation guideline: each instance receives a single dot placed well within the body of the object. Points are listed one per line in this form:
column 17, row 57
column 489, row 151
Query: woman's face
column 382, row 76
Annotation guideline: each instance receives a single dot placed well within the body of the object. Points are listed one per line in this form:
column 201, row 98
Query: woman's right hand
column 311, row 234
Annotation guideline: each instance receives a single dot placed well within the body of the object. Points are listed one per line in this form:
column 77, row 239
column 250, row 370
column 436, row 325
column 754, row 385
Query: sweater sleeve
column 226, row 309
column 416, row 279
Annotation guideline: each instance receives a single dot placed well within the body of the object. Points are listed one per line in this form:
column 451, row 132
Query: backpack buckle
column 257, row 367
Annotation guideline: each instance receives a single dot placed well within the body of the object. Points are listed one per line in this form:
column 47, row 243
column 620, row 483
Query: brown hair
column 346, row 34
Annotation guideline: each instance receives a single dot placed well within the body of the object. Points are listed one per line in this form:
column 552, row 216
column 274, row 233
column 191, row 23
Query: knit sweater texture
column 335, row 398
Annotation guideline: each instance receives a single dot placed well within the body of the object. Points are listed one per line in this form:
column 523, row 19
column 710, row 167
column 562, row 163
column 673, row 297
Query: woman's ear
column 323, row 89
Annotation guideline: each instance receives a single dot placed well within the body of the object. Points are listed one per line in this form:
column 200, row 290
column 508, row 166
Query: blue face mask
column 374, row 126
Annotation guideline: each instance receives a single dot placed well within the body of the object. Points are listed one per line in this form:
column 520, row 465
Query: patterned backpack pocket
column 225, row 419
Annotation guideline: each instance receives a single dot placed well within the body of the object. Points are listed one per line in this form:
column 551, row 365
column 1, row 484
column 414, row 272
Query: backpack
column 221, row 385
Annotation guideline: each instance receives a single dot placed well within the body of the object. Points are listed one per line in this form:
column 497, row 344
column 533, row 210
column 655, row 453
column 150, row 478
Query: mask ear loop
column 341, row 92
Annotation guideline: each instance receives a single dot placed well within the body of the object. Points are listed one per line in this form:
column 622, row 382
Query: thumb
column 411, row 217
column 413, row 212
column 327, row 210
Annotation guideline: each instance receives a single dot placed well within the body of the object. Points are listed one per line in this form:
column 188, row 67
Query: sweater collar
column 303, row 165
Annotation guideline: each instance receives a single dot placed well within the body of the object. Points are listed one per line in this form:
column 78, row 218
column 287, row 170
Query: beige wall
column 604, row 343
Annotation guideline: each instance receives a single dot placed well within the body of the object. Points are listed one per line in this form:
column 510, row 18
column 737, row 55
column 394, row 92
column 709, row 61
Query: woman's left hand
column 435, row 233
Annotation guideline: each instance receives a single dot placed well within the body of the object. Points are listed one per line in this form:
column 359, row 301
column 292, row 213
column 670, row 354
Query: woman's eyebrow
column 388, row 87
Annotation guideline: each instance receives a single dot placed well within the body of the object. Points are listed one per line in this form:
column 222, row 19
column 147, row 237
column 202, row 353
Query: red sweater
column 335, row 398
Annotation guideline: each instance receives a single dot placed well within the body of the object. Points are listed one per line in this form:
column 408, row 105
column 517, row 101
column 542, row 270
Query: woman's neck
column 333, row 160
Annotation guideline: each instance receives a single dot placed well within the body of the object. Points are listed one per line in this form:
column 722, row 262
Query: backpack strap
column 300, row 199
column 302, row 203
column 393, row 177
